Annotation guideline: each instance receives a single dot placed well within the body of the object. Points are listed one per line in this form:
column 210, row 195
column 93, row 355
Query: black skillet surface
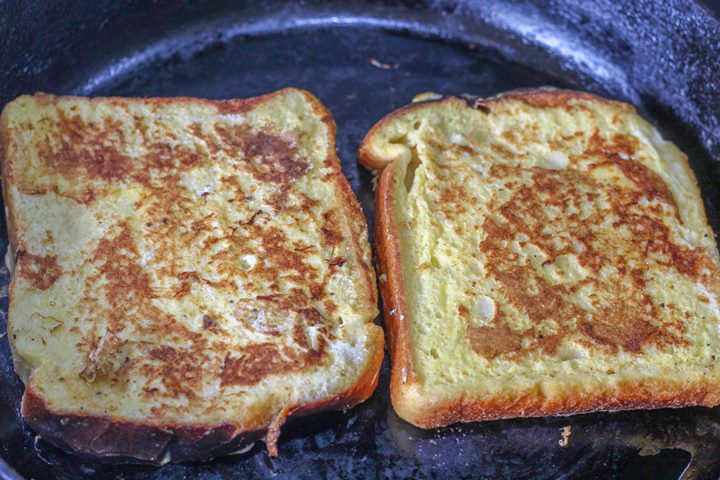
column 661, row 56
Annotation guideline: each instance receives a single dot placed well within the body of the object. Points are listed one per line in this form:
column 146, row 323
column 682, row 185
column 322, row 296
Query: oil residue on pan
column 363, row 61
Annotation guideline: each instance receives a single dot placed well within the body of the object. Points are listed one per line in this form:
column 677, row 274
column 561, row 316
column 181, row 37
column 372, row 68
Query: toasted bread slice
column 543, row 252
column 188, row 273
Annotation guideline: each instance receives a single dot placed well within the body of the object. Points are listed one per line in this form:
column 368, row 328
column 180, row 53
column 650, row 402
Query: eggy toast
column 543, row 252
column 188, row 273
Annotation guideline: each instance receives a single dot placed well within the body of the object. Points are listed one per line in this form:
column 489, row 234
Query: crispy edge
column 112, row 440
column 106, row 438
column 645, row 394
column 349, row 203
column 6, row 181
column 392, row 287
column 7, row 176
column 416, row 409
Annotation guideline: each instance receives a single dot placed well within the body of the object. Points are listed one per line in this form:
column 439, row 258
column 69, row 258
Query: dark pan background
column 662, row 56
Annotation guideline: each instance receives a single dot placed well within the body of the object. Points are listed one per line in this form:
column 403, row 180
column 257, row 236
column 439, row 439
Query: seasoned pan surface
column 363, row 61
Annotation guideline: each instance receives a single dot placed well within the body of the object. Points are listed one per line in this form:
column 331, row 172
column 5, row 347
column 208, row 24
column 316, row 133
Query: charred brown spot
column 186, row 280
column 174, row 370
column 317, row 291
column 628, row 335
column 255, row 362
column 235, row 106
column 85, row 148
column 493, row 341
column 328, row 230
column 330, row 237
column 41, row 271
column 618, row 152
column 252, row 219
column 330, row 307
column 271, row 158
column 456, row 200
column 279, row 256
column 337, row 262
column 162, row 353
column 209, row 323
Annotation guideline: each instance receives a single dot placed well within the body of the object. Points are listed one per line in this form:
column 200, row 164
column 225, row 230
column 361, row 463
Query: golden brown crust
column 545, row 97
column 366, row 156
column 391, row 285
column 626, row 396
column 426, row 413
column 235, row 105
column 7, row 180
column 351, row 204
column 115, row 441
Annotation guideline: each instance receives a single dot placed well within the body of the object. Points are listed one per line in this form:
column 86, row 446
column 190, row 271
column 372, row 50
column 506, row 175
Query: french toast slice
column 543, row 252
column 187, row 273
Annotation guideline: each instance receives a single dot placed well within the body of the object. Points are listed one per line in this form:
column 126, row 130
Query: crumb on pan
column 565, row 432
column 383, row 66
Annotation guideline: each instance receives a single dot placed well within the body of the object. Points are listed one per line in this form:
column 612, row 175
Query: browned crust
column 392, row 285
column 365, row 155
column 548, row 97
column 644, row 394
column 114, row 440
column 120, row 441
column 234, row 105
column 350, row 204
column 543, row 97
column 7, row 181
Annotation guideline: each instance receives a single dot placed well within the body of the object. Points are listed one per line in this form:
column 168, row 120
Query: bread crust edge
column 112, row 440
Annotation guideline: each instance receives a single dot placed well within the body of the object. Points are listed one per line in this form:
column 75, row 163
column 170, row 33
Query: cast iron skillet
column 660, row 55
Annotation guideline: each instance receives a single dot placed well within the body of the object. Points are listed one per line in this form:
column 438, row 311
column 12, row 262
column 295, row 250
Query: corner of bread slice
column 412, row 405
column 211, row 281
column 501, row 301
column 387, row 140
